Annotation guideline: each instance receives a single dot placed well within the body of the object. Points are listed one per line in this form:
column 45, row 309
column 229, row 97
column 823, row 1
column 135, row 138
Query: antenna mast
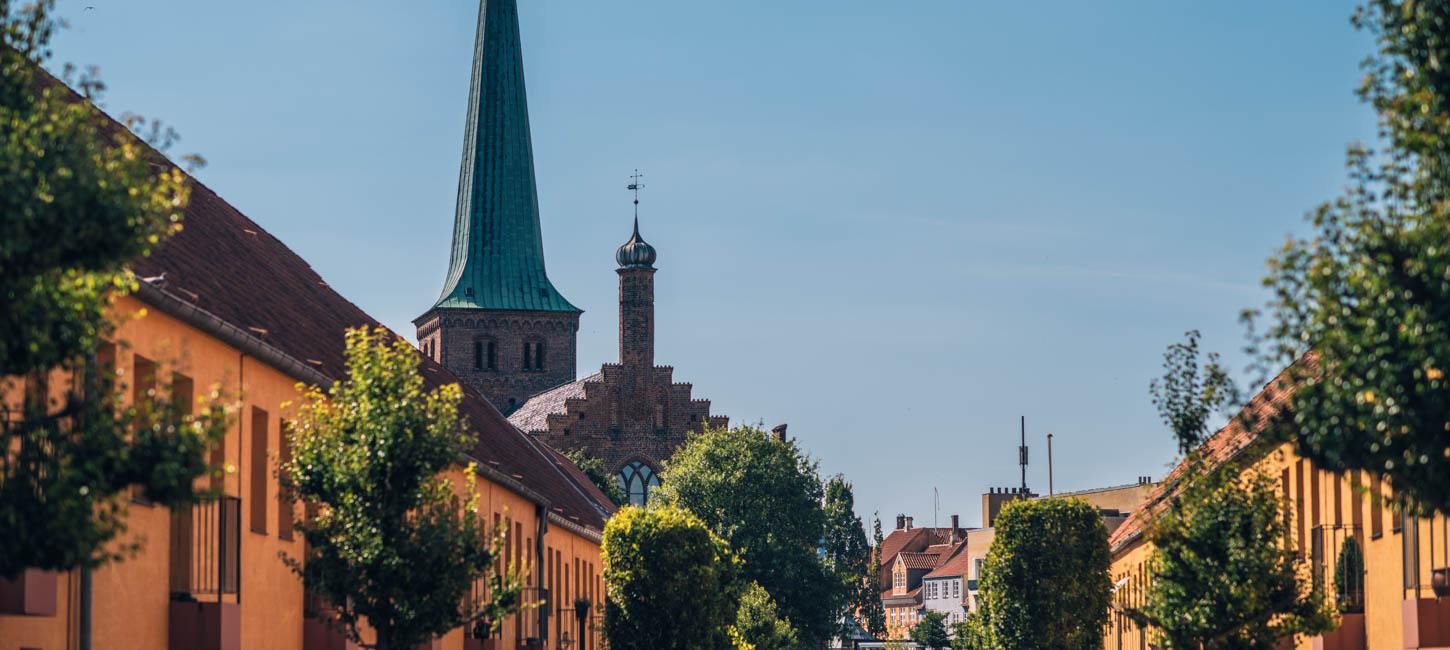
column 1022, row 456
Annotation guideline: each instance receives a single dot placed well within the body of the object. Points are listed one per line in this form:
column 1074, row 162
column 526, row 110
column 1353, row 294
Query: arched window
column 638, row 480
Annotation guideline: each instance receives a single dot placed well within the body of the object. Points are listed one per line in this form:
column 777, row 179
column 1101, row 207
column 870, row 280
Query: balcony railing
column 206, row 559
column 1425, row 543
column 1337, row 559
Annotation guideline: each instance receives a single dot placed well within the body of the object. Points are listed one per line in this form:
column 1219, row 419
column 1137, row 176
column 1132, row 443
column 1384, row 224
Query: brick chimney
column 956, row 526
column 908, row 523
column 900, row 522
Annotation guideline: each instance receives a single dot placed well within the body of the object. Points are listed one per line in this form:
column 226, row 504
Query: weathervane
column 635, row 187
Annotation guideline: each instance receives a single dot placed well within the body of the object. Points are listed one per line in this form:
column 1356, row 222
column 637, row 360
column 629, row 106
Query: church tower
column 499, row 323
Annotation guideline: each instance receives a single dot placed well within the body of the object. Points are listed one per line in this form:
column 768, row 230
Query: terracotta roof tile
column 957, row 563
column 228, row 266
column 1236, row 436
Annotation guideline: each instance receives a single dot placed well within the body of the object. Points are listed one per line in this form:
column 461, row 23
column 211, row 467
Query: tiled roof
column 957, row 563
column 919, row 560
column 533, row 416
column 912, row 597
column 1236, row 436
column 226, row 265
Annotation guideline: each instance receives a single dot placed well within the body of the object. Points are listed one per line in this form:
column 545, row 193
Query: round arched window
column 638, row 480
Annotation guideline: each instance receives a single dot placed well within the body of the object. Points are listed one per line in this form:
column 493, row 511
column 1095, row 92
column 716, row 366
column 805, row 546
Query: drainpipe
column 85, row 614
column 541, row 562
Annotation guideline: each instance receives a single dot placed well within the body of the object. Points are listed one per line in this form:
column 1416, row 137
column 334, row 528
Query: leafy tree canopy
column 1222, row 576
column 593, row 467
column 758, row 625
column 1045, row 584
column 931, row 631
column 79, row 199
column 670, row 583
column 873, row 614
column 392, row 546
column 1367, row 295
column 847, row 554
column 764, row 497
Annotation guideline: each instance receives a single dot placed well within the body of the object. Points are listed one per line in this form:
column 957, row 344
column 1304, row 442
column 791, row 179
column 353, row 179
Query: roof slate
column 533, row 415
column 225, row 264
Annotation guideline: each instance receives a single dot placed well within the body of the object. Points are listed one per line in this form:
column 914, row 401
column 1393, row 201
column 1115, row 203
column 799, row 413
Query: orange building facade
column 1392, row 604
column 225, row 306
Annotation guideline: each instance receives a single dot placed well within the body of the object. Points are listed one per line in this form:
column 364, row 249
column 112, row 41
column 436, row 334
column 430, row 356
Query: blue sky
column 895, row 225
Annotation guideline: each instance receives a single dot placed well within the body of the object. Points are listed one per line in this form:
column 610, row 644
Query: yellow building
column 1397, row 606
column 225, row 304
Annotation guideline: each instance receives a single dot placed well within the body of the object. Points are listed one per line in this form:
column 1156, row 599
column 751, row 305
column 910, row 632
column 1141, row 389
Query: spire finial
column 635, row 186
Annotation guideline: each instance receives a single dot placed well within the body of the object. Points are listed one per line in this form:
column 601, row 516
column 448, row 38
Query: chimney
column 953, row 538
column 779, row 432
column 900, row 522
column 908, row 523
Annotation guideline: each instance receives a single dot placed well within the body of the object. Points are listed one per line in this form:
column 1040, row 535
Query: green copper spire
column 497, row 260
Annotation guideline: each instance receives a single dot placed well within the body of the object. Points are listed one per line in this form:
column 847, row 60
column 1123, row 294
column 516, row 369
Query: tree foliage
column 1191, row 391
column 1045, row 583
column 593, row 467
column 873, row 614
column 79, row 199
column 670, row 583
column 1223, row 577
column 931, row 631
column 1368, row 293
column 392, row 546
column 758, row 624
column 764, row 497
column 847, row 554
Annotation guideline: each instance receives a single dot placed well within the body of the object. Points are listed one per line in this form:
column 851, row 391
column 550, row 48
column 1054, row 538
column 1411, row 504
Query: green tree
column 1191, row 391
column 931, row 631
column 1222, row 576
column 1045, row 584
column 758, row 624
column 873, row 615
column 593, row 467
column 1366, row 295
column 763, row 496
column 670, row 583
column 393, row 546
column 847, row 554
column 79, row 199
column 968, row 634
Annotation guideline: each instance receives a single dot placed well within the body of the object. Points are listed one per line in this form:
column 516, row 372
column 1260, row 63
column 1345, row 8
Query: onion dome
column 635, row 253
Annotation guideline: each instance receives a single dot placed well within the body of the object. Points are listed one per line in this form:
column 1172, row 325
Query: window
column 485, row 354
column 1376, row 509
column 259, row 471
column 143, row 398
column 534, row 357
column 637, row 480
column 284, row 499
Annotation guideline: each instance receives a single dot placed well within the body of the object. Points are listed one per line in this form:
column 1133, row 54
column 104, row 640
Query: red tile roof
column 919, row 560
column 1228, row 442
column 956, row 563
column 226, row 265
